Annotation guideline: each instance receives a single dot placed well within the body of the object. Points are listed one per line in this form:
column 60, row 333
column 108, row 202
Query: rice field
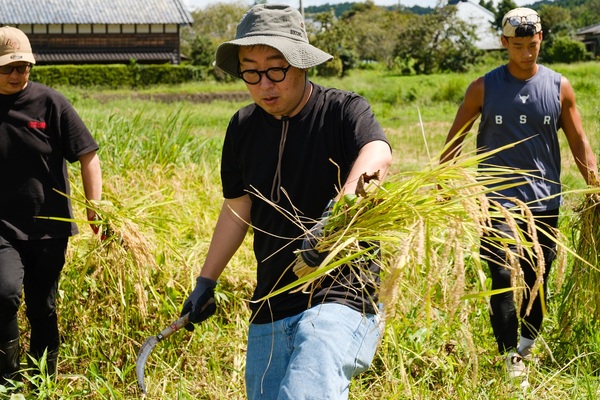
column 162, row 195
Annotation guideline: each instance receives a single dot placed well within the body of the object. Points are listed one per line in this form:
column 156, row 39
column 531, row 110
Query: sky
column 195, row 4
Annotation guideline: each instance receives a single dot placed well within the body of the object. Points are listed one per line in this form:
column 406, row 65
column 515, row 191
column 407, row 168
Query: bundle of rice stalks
column 121, row 256
column 579, row 311
column 427, row 224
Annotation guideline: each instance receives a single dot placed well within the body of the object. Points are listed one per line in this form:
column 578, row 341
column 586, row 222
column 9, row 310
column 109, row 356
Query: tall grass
column 161, row 173
column 578, row 313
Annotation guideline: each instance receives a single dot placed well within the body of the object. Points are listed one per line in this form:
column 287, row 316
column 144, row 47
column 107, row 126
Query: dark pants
column 32, row 267
column 503, row 314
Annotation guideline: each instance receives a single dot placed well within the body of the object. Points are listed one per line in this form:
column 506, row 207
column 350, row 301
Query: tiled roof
column 589, row 30
column 94, row 12
column 103, row 57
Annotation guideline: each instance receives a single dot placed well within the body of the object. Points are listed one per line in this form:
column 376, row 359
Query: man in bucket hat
column 285, row 156
column 39, row 132
column 523, row 101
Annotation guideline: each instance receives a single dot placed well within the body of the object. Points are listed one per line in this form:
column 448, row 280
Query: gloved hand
column 201, row 302
column 312, row 257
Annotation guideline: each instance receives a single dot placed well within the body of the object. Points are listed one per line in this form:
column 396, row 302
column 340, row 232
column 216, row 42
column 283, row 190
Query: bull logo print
column 523, row 98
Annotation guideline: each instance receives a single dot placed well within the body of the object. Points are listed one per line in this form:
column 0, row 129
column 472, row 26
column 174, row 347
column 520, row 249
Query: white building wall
column 481, row 18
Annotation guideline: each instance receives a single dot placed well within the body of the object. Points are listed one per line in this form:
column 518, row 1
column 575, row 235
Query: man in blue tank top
column 522, row 101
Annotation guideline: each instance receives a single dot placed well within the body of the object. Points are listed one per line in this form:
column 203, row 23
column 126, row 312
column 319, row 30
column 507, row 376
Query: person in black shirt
column 39, row 132
column 293, row 146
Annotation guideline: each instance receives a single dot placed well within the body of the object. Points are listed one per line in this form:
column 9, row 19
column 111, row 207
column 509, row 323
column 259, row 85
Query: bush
column 203, row 51
column 451, row 90
column 332, row 68
column 563, row 49
column 117, row 75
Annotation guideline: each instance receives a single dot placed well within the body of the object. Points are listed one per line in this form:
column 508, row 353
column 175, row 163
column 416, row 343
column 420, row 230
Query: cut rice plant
column 120, row 242
column 427, row 224
column 578, row 313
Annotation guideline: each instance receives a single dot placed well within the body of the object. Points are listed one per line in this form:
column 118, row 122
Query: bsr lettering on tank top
column 546, row 119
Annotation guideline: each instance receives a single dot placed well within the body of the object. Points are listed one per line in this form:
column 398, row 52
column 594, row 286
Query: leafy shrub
column 566, row 50
column 332, row 68
column 117, row 75
column 452, row 90
column 203, row 51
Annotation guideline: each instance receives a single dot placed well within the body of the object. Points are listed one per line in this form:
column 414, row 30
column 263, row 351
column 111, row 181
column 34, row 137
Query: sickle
column 152, row 341
column 149, row 344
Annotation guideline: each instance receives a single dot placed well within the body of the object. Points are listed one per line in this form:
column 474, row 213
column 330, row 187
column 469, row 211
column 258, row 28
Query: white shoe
column 515, row 366
column 525, row 352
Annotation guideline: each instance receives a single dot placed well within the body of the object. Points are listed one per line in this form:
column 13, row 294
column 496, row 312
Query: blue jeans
column 312, row 355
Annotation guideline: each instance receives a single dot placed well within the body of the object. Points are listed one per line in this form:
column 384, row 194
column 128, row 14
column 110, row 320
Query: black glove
column 201, row 302
column 312, row 257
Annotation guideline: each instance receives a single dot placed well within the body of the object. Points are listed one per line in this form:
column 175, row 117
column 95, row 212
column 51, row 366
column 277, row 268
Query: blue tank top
column 514, row 110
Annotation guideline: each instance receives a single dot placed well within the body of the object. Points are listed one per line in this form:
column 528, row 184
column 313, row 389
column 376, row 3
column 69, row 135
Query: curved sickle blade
column 149, row 344
column 143, row 354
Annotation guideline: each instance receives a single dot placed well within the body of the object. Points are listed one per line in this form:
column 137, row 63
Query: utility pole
column 301, row 9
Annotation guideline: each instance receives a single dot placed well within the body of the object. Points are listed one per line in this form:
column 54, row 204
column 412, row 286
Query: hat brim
column 16, row 57
column 299, row 54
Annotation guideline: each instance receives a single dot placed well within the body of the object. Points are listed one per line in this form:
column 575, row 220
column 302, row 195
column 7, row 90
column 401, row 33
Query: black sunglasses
column 21, row 69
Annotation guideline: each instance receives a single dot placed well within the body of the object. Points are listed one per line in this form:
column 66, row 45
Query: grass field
column 161, row 170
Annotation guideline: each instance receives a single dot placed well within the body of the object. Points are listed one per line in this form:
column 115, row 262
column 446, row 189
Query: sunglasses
column 523, row 20
column 21, row 69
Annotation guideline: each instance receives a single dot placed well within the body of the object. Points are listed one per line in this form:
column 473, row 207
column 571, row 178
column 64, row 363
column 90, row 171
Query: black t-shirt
column 39, row 130
column 323, row 141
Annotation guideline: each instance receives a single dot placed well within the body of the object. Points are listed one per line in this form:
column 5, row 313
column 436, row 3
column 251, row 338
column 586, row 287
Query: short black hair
column 525, row 30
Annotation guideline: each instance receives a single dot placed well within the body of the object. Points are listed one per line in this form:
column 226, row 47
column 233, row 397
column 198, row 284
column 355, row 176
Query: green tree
column 558, row 28
column 214, row 24
column 202, row 51
column 586, row 14
column 435, row 43
column 503, row 7
column 556, row 21
column 372, row 31
column 333, row 36
column 488, row 5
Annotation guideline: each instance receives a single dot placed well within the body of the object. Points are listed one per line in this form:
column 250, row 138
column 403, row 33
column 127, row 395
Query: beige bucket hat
column 275, row 25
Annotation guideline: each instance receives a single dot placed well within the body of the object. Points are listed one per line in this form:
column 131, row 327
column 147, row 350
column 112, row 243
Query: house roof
column 589, row 30
column 103, row 57
column 94, row 12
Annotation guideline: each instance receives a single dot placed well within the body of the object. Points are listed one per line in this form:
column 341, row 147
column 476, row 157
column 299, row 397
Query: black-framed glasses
column 21, row 69
column 253, row 76
column 523, row 20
